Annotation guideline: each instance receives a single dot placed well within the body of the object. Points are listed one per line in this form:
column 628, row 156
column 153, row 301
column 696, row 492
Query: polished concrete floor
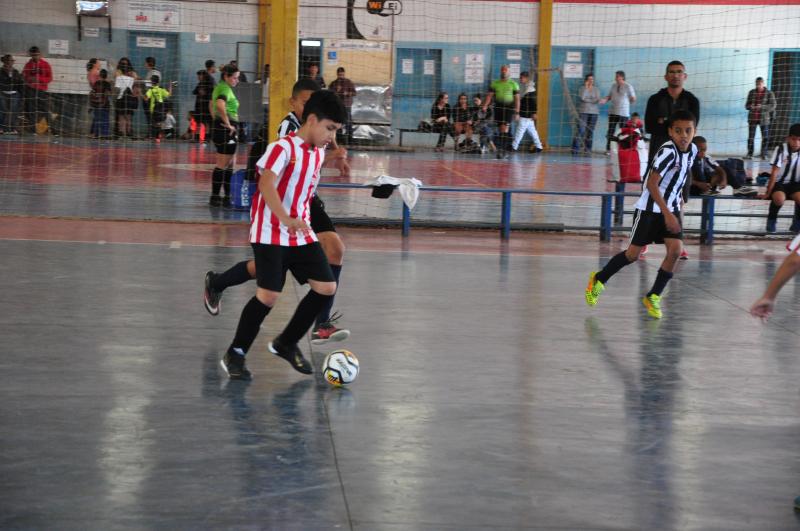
column 490, row 396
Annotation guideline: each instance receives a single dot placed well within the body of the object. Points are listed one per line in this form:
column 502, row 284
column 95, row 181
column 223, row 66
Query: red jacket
column 38, row 74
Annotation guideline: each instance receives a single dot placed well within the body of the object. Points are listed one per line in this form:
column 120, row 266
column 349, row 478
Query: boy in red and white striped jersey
column 282, row 239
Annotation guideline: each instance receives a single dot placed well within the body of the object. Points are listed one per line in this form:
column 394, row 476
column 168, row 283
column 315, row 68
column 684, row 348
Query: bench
column 401, row 131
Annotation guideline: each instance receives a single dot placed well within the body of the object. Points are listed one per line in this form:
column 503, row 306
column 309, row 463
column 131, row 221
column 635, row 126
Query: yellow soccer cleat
column 653, row 305
column 593, row 289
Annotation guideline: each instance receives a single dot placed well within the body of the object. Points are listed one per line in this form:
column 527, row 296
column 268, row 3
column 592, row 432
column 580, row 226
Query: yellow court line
column 464, row 175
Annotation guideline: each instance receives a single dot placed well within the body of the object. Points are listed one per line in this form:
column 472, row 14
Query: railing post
column 505, row 216
column 707, row 221
column 406, row 220
column 619, row 203
column 605, row 218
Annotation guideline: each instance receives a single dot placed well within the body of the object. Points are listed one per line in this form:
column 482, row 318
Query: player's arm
column 698, row 182
column 722, row 177
column 489, row 96
column 266, row 185
column 669, row 218
column 764, row 306
column 222, row 112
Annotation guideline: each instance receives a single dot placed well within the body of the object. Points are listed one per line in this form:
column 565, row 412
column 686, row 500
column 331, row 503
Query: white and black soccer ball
column 340, row 367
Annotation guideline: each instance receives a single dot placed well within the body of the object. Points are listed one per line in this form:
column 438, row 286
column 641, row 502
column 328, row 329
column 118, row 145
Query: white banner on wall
column 58, row 47
column 151, row 42
column 514, row 70
column 573, row 70
column 473, row 60
column 407, row 66
column 91, row 32
column 204, row 38
column 473, row 75
column 428, row 67
column 154, row 16
column 574, row 57
column 514, row 55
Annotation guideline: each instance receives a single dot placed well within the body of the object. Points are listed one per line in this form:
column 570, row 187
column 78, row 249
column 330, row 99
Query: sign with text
column 573, row 70
column 151, row 42
column 154, row 16
column 58, row 47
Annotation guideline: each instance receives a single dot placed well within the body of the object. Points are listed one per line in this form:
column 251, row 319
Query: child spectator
column 784, row 181
column 168, row 125
column 708, row 177
column 156, row 98
column 527, row 123
column 100, row 105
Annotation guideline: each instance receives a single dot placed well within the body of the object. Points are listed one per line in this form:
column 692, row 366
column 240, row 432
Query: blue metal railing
column 611, row 208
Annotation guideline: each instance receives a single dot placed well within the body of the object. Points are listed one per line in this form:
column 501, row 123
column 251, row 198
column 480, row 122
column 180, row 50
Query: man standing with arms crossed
column 505, row 92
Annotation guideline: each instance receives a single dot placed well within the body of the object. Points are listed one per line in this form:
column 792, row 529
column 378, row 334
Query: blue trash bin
column 242, row 190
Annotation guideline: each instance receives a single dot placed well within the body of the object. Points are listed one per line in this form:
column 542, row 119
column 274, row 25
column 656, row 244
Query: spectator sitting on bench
column 462, row 122
column 482, row 123
column 708, row 177
column 784, row 181
column 440, row 119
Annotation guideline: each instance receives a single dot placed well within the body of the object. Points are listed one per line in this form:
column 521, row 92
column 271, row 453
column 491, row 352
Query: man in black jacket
column 666, row 101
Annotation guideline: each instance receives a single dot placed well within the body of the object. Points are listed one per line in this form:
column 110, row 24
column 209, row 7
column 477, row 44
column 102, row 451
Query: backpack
column 425, row 126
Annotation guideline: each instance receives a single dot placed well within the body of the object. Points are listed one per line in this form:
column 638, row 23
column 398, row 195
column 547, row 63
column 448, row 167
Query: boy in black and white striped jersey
column 657, row 216
column 784, row 181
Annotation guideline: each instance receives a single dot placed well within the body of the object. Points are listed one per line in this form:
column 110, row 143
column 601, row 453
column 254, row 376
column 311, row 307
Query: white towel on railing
column 409, row 188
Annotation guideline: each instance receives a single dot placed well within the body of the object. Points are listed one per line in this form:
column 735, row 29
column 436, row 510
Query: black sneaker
column 292, row 354
column 233, row 365
column 215, row 201
column 328, row 331
column 226, row 202
column 211, row 297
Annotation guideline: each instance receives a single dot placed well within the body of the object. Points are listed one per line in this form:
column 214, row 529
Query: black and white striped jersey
column 290, row 124
column 674, row 167
column 787, row 162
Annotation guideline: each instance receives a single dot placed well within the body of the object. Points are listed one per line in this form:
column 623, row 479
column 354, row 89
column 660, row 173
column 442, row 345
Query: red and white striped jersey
column 297, row 166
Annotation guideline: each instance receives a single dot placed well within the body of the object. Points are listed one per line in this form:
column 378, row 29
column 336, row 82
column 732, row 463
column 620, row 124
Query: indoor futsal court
column 489, row 395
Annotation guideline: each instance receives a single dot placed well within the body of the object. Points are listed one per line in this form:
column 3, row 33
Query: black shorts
column 306, row 262
column 649, row 227
column 787, row 188
column 224, row 140
column 320, row 221
column 503, row 114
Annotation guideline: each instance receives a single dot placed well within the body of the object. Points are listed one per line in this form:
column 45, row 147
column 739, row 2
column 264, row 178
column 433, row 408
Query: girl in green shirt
column 224, row 108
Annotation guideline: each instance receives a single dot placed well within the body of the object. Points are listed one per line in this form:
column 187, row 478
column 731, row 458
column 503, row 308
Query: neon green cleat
column 653, row 305
column 593, row 290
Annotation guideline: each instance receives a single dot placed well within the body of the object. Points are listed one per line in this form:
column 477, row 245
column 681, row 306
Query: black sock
column 325, row 314
column 661, row 282
column 773, row 211
column 226, row 181
column 253, row 315
column 612, row 267
column 234, row 276
column 303, row 317
column 796, row 212
column 216, row 182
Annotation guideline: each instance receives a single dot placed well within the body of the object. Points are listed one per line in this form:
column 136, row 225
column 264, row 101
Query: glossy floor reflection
column 490, row 396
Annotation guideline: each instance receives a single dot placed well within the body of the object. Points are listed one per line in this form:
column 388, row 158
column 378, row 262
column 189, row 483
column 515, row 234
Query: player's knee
column 327, row 289
column 777, row 200
column 632, row 253
column 333, row 246
column 673, row 253
column 251, row 268
column 267, row 297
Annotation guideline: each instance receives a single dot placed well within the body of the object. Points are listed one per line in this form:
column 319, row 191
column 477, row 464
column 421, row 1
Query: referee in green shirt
column 224, row 108
column 505, row 92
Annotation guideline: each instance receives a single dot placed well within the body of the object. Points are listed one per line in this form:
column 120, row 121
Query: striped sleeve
column 286, row 126
column 777, row 157
column 664, row 159
column 274, row 159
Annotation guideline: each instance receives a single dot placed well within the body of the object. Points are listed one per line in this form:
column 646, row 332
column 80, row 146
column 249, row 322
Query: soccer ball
column 340, row 367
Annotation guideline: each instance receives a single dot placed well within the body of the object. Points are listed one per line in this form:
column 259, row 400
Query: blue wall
column 186, row 60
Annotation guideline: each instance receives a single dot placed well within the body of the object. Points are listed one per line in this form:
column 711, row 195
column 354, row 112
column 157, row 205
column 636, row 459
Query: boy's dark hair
column 478, row 95
column 340, row 69
column 699, row 140
column 304, row 84
column 103, row 73
column 210, row 63
column 759, row 78
column 794, row 130
column 674, row 63
column 155, row 80
column 228, row 70
column 201, row 72
column 91, row 63
column 524, row 73
column 681, row 116
column 150, row 61
column 620, row 73
column 34, row 49
column 636, row 114
column 325, row 105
